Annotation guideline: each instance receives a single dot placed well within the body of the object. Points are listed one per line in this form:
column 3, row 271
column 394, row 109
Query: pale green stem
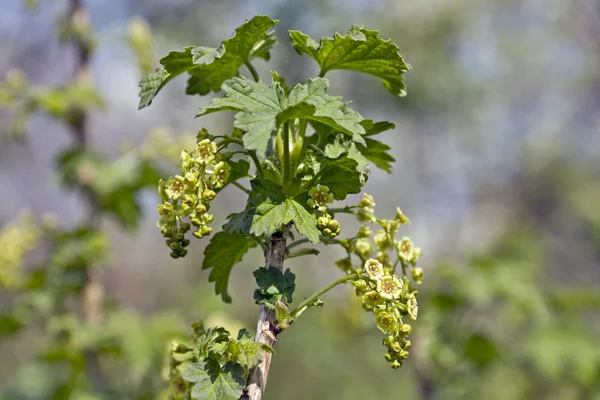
column 298, row 243
column 287, row 168
column 295, row 313
column 252, row 154
column 347, row 210
column 250, row 67
column 302, row 252
column 302, row 127
column 243, row 189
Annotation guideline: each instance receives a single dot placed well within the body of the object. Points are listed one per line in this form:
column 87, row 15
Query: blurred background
column 498, row 168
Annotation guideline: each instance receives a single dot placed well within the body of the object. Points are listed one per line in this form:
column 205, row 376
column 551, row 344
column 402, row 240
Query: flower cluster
column 389, row 296
column 320, row 197
column 188, row 195
column 328, row 226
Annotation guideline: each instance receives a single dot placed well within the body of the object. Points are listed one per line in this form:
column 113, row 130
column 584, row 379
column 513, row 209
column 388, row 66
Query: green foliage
column 224, row 251
column 262, row 109
column 274, row 286
column 215, row 382
column 360, row 50
column 217, row 367
column 210, row 67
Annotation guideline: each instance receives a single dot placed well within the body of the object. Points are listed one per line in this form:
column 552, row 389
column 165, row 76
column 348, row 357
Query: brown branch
column 266, row 330
column 92, row 295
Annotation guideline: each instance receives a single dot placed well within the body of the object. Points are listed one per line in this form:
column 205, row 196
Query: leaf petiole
column 296, row 312
column 242, row 188
column 302, row 252
column 253, row 71
column 287, row 168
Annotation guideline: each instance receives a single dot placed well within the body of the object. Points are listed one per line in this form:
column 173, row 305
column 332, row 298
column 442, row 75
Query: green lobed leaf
column 359, row 50
column 374, row 128
column 262, row 109
column 377, row 152
column 330, row 110
column 342, row 177
column 222, row 253
column 268, row 211
column 239, row 169
column 150, row 85
column 210, row 67
column 210, row 343
column 273, row 286
column 213, row 382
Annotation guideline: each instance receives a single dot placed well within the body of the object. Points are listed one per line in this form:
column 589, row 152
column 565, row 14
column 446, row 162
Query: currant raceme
column 188, row 196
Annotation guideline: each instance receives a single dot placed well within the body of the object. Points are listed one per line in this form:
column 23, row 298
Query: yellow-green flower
column 413, row 307
column 387, row 322
column 205, row 150
column 389, row 287
column 374, row 269
column 372, row 299
column 174, row 187
column 319, row 197
column 220, row 174
column 406, row 249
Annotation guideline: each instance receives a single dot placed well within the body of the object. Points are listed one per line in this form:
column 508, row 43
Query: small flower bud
column 405, row 329
column 367, row 201
column 400, row 217
column 208, row 194
column 201, row 209
column 363, row 247
column 364, row 232
column 417, row 275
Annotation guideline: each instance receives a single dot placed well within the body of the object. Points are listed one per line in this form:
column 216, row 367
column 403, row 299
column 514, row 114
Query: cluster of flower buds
column 328, row 226
column 390, row 298
column 319, row 199
column 188, row 195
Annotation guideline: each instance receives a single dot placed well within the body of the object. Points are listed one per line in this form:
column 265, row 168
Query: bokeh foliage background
column 498, row 149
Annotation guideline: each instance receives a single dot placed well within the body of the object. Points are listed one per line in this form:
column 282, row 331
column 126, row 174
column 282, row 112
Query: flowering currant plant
column 302, row 149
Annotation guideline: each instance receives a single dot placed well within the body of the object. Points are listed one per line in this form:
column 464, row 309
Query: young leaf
column 213, row 382
column 273, row 286
column 268, row 210
column 222, row 253
column 342, row 177
column 262, row 108
column 360, row 50
column 239, row 169
column 377, row 153
column 210, row 67
column 374, row 128
column 211, row 342
column 330, row 110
